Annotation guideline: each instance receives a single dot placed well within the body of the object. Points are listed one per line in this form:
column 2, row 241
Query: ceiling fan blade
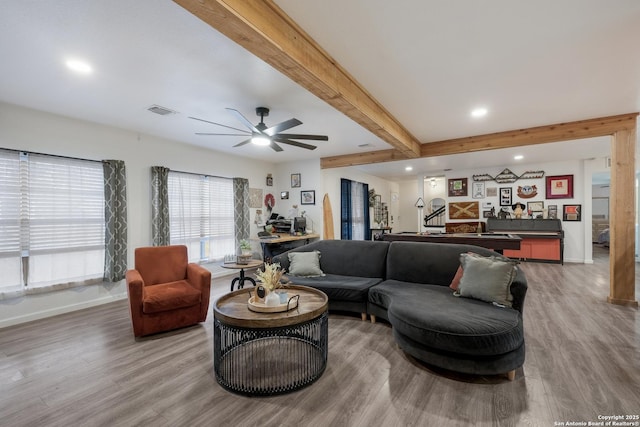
column 240, row 144
column 219, row 124
column 295, row 143
column 244, row 120
column 287, row 124
column 300, row 136
column 220, row 134
column 275, row 146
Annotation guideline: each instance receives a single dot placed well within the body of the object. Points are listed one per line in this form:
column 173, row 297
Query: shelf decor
column 559, row 187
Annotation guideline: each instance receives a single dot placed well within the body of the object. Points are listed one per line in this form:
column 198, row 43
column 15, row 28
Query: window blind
column 52, row 219
column 201, row 215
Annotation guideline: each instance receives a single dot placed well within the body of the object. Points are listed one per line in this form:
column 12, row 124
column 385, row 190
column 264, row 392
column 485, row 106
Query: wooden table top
column 232, row 309
column 283, row 238
column 252, row 264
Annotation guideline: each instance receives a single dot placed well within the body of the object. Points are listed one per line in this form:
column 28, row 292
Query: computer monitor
column 300, row 224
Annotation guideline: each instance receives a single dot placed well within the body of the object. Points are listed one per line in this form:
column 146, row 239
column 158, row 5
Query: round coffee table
column 261, row 354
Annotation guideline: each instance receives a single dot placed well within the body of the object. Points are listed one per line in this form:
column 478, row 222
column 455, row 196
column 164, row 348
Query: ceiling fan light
column 260, row 140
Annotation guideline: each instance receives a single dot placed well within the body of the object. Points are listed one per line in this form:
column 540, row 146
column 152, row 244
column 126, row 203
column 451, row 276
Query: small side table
column 241, row 277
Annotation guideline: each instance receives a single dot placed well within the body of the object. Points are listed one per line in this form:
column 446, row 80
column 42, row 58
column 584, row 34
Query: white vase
column 272, row 299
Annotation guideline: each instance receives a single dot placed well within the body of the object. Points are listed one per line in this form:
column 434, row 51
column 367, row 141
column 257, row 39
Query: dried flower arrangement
column 270, row 276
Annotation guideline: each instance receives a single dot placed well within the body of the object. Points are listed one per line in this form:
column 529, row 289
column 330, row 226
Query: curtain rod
column 200, row 174
column 51, row 155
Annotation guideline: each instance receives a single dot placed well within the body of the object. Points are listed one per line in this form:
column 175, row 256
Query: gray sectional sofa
column 407, row 284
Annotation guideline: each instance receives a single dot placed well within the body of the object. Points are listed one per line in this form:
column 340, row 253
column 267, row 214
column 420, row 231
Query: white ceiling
column 429, row 62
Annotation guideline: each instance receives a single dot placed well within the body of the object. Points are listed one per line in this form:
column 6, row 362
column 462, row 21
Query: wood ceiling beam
column 266, row 31
column 589, row 128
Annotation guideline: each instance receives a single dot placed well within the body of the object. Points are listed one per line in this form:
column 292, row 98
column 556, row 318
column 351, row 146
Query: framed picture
column 477, row 191
column 535, row 206
column 284, row 195
column 269, row 180
column 492, row 192
column 552, row 212
column 505, row 196
column 571, row 212
column 559, row 187
column 308, row 197
column 457, row 187
column 296, row 181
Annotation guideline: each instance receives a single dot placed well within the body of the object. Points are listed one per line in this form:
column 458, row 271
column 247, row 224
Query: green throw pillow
column 487, row 278
column 305, row 264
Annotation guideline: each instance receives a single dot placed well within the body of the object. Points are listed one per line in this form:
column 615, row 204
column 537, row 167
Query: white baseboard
column 60, row 310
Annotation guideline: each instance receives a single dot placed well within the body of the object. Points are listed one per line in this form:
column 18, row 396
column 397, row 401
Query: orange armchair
column 166, row 291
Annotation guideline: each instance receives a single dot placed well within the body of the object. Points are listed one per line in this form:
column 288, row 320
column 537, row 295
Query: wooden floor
column 85, row 369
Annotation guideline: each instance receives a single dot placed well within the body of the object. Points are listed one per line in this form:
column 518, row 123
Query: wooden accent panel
column 622, row 218
column 265, row 30
column 464, row 210
column 514, row 138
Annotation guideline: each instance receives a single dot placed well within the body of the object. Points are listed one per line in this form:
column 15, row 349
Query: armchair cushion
column 169, row 296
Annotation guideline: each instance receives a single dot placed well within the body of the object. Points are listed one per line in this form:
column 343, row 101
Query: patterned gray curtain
column 160, row 205
column 115, row 217
column 241, row 208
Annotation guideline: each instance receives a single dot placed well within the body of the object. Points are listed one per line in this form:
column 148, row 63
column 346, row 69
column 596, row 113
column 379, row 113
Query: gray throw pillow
column 305, row 264
column 487, row 278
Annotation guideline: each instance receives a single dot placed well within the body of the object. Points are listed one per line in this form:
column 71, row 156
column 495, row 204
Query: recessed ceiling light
column 518, row 157
column 479, row 112
column 408, row 168
column 79, row 66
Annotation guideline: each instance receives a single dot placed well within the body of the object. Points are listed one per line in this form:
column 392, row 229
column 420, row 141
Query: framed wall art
column 296, row 180
column 552, row 212
column 571, row 212
column 284, row 195
column 505, row 196
column 477, row 190
column 269, row 180
column 492, row 191
column 457, row 187
column 308, row 197
column 535, row 206
column 559, row 187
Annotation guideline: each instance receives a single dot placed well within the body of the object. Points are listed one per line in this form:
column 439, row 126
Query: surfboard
column 327, row 217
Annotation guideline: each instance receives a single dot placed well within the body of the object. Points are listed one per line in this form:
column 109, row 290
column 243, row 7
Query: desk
column 241, row 277
column 270, row 353
column 272, row 246
column 495, row 241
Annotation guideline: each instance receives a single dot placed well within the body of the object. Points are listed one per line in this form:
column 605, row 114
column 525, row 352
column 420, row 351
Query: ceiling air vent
column 365, row 145
column 161, row 110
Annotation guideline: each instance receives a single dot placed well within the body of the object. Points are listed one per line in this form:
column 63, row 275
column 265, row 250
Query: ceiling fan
column 260, row 134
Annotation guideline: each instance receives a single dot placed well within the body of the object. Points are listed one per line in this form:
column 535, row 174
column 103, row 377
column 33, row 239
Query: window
column 354, row 210
column 201, row 215
column 51, row 221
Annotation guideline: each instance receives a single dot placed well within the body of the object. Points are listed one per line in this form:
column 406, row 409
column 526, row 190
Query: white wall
column 577, row 243
column 36, row 131
column 310, row 180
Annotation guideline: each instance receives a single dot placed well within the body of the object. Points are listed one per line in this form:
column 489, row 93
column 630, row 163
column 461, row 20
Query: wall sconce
column 433, row 183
